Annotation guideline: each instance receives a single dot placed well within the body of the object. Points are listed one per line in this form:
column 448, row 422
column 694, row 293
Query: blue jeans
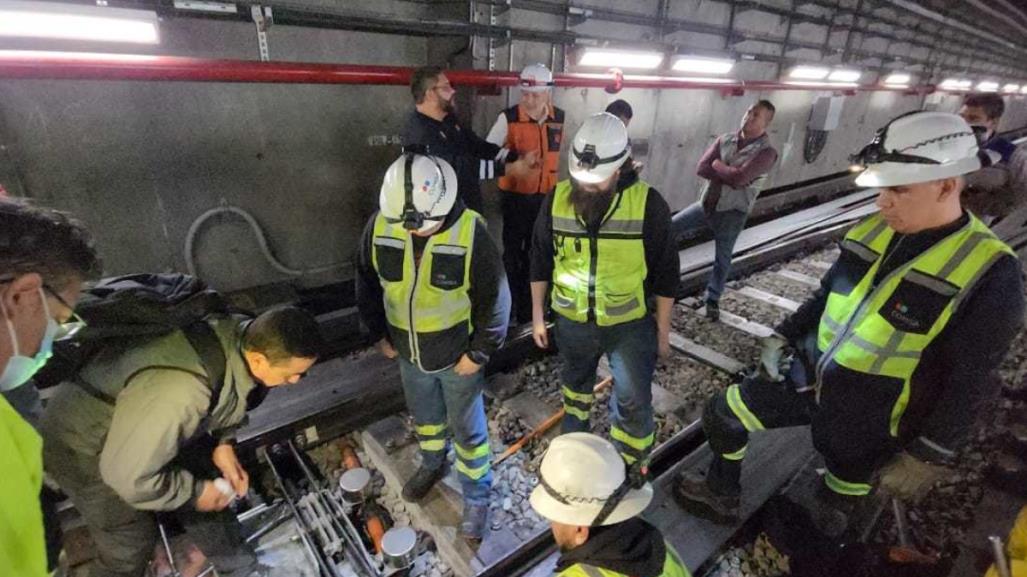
column 726, row 226
column 631, row 350
column 445, row 401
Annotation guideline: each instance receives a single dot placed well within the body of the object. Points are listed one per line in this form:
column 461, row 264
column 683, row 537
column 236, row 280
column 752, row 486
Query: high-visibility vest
column 22, row 545
column 429, row 300
column 525, row 134
column 672, row 567
column 881, row 331
column 600, row 278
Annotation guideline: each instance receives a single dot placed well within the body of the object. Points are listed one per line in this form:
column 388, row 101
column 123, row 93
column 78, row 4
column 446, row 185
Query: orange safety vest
column 524, row 135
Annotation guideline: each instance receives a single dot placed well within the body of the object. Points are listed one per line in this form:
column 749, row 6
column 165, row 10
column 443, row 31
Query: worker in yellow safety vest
column 432, row 292
column 893, row 354
column 603, row 254
column 593, row 511
column 44, row 258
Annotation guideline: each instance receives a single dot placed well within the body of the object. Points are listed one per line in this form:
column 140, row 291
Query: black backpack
column 123, row 310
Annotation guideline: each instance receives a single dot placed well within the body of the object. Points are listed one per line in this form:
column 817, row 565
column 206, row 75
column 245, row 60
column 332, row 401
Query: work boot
column 694, row 495
column 475, row 521
column 713, row 310
column 423, row 480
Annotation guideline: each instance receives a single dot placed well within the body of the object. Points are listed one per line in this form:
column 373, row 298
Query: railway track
column 356, row 400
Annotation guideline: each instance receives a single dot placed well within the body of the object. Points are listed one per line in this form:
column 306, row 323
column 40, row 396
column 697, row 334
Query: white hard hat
column 918, row 147
column 581, row 475
column 536, row 78
column 418, row 191
column 599, row 148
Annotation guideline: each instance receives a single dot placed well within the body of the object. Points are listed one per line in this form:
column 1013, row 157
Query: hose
column 190, row 240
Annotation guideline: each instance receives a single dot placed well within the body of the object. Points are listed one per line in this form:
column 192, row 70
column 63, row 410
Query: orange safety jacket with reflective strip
column 523, row 134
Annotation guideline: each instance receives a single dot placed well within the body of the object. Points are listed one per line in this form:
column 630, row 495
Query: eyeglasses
column 74, row 324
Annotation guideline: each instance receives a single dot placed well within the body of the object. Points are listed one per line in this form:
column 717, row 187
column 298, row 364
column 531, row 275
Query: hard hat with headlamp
column 600, row 147
column 919, row 147
column 418, row 191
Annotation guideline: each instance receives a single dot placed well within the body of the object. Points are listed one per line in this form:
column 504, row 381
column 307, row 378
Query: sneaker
column 713, row 310
column 423, row 480
column 695, row 496
column 475, row 521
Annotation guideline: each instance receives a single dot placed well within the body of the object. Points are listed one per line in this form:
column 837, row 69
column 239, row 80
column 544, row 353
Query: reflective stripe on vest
column 433, row 296
column 524, row 134
column 600, row 278
column 672, row 567
column 853, row 332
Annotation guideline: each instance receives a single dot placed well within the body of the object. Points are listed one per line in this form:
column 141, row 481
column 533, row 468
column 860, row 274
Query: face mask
column 980, row 132
column 20, row 368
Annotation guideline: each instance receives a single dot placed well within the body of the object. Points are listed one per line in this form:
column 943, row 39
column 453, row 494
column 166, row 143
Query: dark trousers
column 519, row 214
column 125, row 537
column 757, row 404
column 631, row 349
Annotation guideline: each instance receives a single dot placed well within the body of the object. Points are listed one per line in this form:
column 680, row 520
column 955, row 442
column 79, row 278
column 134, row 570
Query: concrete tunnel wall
column 140, row 161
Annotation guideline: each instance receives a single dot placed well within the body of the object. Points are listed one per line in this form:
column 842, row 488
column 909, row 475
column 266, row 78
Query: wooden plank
column 705, row 355
column 798, row 277
column 438, row 513
column 530, row 408
column 768, row 298
column 664, row 401
column 771, row 460
column 740, row 323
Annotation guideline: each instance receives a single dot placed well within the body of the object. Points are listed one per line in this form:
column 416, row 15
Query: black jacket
column 632, row 547
column 473, row 158
column 489, row 293
column 954, row 376
column 661, row 252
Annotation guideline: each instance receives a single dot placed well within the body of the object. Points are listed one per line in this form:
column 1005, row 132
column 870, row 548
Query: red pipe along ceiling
column 91, row 66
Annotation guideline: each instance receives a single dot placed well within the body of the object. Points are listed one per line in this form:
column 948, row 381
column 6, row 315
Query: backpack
column 122, row 310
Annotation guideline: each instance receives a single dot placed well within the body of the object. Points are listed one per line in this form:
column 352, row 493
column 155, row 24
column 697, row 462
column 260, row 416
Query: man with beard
column 142, row 429
column 433, row 125
column 594, row 513
column 735, row 170
column 602, row 240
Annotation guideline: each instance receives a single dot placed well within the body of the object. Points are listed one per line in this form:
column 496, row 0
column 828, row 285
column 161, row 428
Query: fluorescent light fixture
column 1023, row 90
column 702, row 65
column 77, row 22
column 809, row 73
column 620, row 58
column 822, row 84
column 897, row 79
column 955, row 84
column 844, row 75
column 987, row 86
column 1011, row 88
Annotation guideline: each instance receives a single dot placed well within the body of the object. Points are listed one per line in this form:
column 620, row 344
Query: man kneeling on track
column 585, row 492
column 893, row 353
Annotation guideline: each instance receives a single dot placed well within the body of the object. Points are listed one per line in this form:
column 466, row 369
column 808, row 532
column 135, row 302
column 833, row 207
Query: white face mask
column 20, row 368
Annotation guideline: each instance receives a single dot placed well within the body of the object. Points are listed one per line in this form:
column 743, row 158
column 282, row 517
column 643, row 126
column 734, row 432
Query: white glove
column 770, row 356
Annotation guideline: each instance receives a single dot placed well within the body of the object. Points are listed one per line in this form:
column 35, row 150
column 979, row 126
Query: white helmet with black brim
column 600, row 147
column 418, row 191
column 536, row 78
column 919, row 147
column 583, row 482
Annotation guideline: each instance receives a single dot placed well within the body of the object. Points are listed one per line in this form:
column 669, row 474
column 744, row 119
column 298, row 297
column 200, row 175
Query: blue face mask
column 20, row 368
